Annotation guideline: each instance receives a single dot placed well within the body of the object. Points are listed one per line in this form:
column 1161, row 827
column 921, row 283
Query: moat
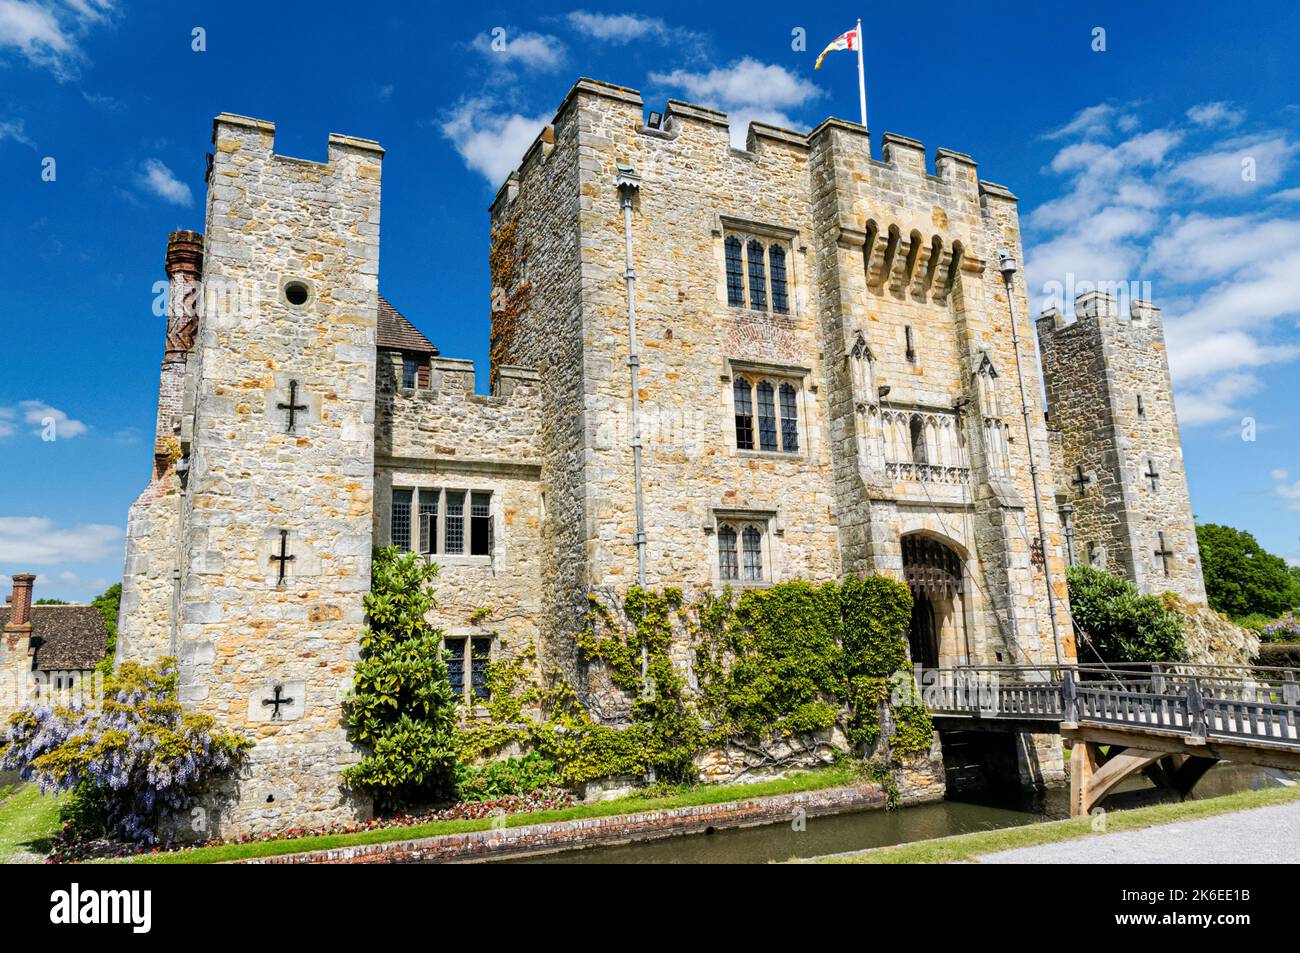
column 866, row 829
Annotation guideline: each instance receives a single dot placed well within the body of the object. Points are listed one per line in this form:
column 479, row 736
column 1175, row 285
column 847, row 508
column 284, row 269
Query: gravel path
column 1265, row 835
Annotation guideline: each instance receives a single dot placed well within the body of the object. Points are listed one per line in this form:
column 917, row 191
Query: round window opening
column 295, row 292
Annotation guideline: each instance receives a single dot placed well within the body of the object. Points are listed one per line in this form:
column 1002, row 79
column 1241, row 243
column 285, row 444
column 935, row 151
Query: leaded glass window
column 400, row 519
column 480, row 655
column 757, row 276
column 454, row 544
column 456, row 665
column 780, row 296
column 744, row 414
column 728, row 564
column 428, row 520
column 789, row 420
column 766, row 417
column 752, row 544
column 735, row 274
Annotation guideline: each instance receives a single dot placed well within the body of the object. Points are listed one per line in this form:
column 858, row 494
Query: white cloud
column 14, row 129
column 1220, row 113
column 48, row 35
column 1194, row 356
column 1286, row 195
column 533, row 50
column 1239, row 166
column 39, row 416
column 617, row 28
column 1218, row 400
column 1095, row 121
column 748, row 90
column 162, row 182
column 1289, row 491
column 37, row 541
column 491, row 143
column 1225, row 278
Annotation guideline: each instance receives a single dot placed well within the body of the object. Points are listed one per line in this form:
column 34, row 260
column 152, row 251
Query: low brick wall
column 602, row 831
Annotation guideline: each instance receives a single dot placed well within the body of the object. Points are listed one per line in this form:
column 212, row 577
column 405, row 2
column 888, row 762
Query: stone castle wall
column 244, row 630
column 1111, row 399
column 450, row 438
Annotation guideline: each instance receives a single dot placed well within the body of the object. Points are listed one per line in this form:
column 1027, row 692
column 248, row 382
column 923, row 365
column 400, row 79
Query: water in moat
column 860, row 830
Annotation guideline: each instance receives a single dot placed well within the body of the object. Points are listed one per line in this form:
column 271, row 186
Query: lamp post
column 1007, row 265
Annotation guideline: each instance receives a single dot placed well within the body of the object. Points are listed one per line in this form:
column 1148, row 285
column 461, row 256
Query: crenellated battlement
column 232, row 133
column 1100, row 311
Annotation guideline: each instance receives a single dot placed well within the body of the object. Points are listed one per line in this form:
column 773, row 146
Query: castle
column 710, row 367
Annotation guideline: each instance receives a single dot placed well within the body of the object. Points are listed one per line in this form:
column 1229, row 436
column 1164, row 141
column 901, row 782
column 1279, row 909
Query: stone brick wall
column 835, row 506
column 450, row 438
column 1096, row 370
column 271, row 220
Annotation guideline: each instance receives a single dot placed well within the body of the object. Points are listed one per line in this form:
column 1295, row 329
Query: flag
column 845, row 41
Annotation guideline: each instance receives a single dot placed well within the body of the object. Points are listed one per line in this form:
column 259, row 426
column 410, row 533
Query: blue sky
column 1128, row 162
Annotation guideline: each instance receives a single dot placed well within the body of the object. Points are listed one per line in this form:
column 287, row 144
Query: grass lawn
column 964, row 848
column 28, row 822
column 833, row 776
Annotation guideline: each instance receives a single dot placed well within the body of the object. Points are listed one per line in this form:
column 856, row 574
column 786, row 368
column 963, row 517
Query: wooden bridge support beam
column 1095, row 773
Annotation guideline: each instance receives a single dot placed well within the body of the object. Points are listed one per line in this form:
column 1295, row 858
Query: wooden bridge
column 1172, row 722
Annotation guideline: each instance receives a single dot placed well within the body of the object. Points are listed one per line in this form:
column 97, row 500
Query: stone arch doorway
column 934, row 574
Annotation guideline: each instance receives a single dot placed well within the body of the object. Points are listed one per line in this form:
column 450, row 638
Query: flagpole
column 862, row 78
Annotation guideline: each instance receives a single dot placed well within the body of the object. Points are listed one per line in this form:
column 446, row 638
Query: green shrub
column 497, row 779
column 1116, row 624
column 401, row 707
column 1241, row 577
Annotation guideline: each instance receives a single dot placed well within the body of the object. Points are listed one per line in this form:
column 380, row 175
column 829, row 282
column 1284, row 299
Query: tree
column 402, row 708
column 1241, row 577
column 1118, row 624
column 108, row 603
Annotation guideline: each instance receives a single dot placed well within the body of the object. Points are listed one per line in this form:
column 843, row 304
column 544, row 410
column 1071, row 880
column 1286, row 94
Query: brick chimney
column 19, row 625
column 184, row 264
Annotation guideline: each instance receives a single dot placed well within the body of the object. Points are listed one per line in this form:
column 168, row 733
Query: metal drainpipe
column 1007, row 265
column 629, row 183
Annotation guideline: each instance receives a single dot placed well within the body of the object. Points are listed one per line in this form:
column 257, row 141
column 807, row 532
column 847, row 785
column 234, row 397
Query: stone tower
column 1118, row 453
column 883, row 325
column 277, row 440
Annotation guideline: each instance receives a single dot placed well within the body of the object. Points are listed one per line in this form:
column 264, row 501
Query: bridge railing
column 1201, row 701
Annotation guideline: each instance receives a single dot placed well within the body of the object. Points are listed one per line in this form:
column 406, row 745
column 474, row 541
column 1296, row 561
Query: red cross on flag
column 845, row 41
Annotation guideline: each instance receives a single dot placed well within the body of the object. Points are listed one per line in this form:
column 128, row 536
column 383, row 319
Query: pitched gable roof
column 395, row 333
column 65, row 638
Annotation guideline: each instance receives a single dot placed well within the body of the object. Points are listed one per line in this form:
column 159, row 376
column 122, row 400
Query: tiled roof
column 66, row 638
column 398, row 334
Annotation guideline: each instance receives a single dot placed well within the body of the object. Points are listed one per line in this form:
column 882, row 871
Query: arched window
column 728, row 565
column 735, row 274
column 780, row 297
column 752, row 543
column 919, row 454
column 789, row 420
column 757, row 276
column 766, row 416
column 744, row 414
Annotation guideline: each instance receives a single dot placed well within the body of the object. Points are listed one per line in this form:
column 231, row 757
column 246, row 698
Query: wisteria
column 139, row 758
column 1284, row 629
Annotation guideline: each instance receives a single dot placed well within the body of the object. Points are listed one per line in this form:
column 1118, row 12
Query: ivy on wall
column 510, row 292
column 768, row 666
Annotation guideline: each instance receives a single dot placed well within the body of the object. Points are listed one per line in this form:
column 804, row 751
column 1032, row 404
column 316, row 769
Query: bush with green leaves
column 1117, row 624
column 506, row 777
column 134, row 762
column 401, row 709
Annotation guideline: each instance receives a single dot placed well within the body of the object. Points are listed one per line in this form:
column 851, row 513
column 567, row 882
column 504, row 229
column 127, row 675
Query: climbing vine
column 510, row 292
column 776, row 673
